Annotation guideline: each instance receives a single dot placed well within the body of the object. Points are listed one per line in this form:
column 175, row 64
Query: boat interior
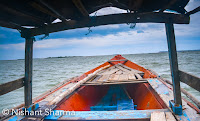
column 118, row 87
column 139, row 96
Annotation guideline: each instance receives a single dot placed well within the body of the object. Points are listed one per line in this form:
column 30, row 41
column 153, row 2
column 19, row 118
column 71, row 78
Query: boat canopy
column 36, row 17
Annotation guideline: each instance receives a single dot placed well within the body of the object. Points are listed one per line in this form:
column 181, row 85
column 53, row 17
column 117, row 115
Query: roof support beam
column 81, row 7
column 53, row 10
column 28, row 71
column 18, row 13
column 43, row 9
column 173, row 63
column 168, row 5
column 111, row 19
column 10, row 25
column 193, row 11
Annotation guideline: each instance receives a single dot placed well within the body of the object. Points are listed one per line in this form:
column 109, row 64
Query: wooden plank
column 165, row 92
column 123, row 69
column 119, row 72
column 169, row 116
column 114, row 77
column 138, row 76
column 69, row 91
column 171, row 2
column 28, row 71
column 52, row 96
column 104, row 78
column 131, row 76
column 190, row 80
column 81, row 7
column 190, row 96
column 10, row 25
column 106, row 70
column 117, row 60
column 158, row 116
column 13, row 11
column 112, row 83
column 110, row 71
column 10, row 86
column 123, row 77
column 53, row 10
column 152, row 17
column 130, row 80
column 96, row 78
column 102, row 71
column 173, row 62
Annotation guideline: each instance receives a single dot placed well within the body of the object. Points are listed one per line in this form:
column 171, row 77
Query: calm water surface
column 49, row 72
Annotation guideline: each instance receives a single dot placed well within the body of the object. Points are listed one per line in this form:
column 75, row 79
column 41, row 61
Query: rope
column 93, row 20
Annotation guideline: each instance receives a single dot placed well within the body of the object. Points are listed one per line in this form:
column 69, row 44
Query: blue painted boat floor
column 115, row 99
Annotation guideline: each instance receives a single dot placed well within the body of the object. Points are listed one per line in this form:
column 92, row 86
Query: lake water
column 51, row 71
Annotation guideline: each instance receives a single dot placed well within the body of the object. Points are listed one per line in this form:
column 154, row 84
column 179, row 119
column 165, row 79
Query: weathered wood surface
column 117, row 60
column 131, row 76
column 114, row 77
column 81, row 7
column 117, row 74
column 158, row 116
column 123, row 77
column 115, row 82
column 58, row 14
column 162, row 116
column 48, row 95
column 190, row 96
column 74, row 87
column 104, row 78
column 138, row 76
column 190, row 80
column 10, row 86
column 166, row 95
column 153, row 17
column 169, row 116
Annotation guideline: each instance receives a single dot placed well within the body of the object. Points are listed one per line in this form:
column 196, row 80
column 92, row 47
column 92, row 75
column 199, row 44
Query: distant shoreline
column 110, row 55
column 179, row 51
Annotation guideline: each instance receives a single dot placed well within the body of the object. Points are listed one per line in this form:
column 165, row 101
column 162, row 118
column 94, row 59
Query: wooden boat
column 116, row 90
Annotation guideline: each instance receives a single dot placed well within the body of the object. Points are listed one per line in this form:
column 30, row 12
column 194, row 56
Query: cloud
column 120, row 38
column 18, row 46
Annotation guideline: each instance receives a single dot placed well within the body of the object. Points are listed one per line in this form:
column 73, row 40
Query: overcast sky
column 104, row 40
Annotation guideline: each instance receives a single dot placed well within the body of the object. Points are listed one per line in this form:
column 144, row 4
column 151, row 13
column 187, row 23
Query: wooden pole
column 173, row 62
column 28, row 71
